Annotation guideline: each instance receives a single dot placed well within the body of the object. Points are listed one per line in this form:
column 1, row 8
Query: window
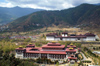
column 19, row 53
column 78, row 38
column 18, row 56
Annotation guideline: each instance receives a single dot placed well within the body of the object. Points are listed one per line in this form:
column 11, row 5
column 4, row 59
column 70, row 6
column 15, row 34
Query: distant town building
column 66, row 37
column 53, row 51
column 3, row 27
column 24, row 37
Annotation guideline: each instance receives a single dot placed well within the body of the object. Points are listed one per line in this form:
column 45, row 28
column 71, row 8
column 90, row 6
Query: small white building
column 66, row 37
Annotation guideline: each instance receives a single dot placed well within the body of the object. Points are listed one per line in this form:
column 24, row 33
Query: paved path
column 66, row 64
column 84, row 57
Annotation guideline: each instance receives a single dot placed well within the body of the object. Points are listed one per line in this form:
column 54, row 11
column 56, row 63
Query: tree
column 27, row 40
column 12, row 57
column 77, row 44
column 37, row 44
column 6, row 56
column 57, row 64
column 1, row 52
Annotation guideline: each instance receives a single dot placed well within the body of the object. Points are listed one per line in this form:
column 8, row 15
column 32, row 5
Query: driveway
column 84, row 57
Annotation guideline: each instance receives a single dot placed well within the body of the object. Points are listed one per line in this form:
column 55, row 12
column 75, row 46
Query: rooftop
column 51, row 34
column 70, row 50
column 28, row 50
column 20, row 48
column 30, row 45
column 89, row 34
column 55, row 46
column 52, row 45
column 73, row 58
column 64, row 32
column 71, row 46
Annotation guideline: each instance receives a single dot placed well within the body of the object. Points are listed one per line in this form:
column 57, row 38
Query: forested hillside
column 84, row 15
column 9, row 14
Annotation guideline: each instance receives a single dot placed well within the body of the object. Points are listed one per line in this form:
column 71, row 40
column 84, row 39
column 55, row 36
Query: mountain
column 9, row 14
column 83, row 15
column 97, row 4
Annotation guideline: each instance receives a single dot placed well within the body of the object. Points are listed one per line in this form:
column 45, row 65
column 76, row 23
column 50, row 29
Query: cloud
column 9, row 5
column 48, row 4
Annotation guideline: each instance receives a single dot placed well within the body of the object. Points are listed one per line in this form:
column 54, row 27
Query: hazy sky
column 46, row 4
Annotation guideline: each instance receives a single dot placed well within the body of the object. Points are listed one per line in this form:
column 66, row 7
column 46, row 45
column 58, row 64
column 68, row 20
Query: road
column 66, row 64
column 84, row 57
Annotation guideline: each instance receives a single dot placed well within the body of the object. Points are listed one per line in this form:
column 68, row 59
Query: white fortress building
column 53, row 51
column 66, row 37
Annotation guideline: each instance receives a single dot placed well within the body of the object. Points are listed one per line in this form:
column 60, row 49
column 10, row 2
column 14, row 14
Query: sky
column 45, row 4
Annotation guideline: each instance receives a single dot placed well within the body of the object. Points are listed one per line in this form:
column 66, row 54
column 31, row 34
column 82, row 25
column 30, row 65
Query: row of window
column 52, row 49
column 49, row 57
column 36, row 55
column 70, row 53
column 20, row 50
column 30, row 54
column 43, row 54
column 58, row 55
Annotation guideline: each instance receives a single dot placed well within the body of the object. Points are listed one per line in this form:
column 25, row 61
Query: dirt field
column 45, row 30
column 69, row 30
column 87, row 45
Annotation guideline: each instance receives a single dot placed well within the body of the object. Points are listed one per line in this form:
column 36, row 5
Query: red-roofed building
column 51, row 36
column 64, row 34
column 30, row 46
column 73, row 46
column 70, row 51
column 72, row 57
column 66, row 37
column 53, row 51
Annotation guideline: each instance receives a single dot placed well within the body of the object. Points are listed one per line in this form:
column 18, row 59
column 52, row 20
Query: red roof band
column 72, row 58
column 68, row 50
column 46, row 46
column 75, row 36
column 73, row 46
column 50, row 46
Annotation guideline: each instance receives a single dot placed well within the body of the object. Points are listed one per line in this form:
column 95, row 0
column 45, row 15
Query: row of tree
column 92, row 54
column 10, row 60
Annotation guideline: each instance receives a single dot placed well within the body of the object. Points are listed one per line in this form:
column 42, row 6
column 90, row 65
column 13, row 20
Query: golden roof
column 20, row 46
column 70, row 48
column 29, row 43
column 53, row 41
column 71, row 44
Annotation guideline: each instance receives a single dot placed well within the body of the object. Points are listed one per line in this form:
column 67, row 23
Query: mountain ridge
column 82, row 15
column 9, row 14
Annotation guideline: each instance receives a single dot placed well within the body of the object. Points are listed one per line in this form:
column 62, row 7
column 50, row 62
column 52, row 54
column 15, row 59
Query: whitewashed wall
column 66, row 35
column 90, row 39
column 50, row 38
column 57, row 39
column 19, row 55
column 63, row 35
column 82, row 39
column 69, row 39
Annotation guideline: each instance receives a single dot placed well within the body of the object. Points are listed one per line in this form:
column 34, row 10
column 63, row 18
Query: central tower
column 64, row 34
